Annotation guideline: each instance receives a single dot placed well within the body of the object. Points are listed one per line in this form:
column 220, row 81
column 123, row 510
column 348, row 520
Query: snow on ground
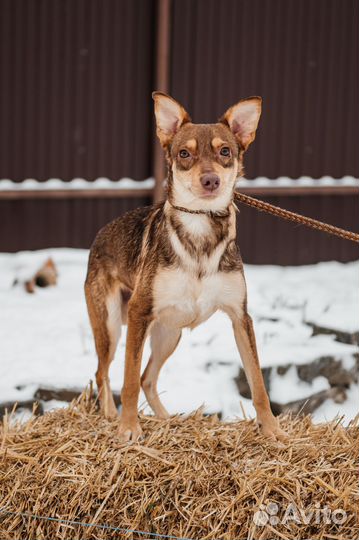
column 45, row 338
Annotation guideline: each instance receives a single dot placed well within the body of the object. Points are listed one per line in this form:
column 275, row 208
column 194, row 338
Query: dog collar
column 210, row 213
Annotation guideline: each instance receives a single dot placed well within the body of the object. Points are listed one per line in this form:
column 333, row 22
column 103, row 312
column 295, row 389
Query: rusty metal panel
column 301, row 56
column 76, row 82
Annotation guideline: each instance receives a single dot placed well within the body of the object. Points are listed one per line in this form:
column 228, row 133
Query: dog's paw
column 274, row 432
column 110, row 412
column 111, row 415
column 129, row 431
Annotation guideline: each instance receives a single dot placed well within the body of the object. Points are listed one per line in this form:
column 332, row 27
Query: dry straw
column 191, row 477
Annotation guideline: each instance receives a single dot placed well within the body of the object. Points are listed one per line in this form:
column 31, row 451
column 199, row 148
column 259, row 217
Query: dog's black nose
column 210, row 181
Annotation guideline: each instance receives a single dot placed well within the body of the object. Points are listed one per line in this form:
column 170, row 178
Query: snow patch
column 149, row 183
column 76, row 184
column 45, row 338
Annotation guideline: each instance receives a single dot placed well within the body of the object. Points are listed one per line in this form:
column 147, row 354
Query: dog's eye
column 184, row 154
column 225, row 151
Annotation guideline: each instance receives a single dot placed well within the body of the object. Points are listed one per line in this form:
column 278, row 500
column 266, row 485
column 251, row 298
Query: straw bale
column 191, row 477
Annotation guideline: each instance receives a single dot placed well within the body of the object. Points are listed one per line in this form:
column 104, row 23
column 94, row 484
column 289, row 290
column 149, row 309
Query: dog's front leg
column 246, row 343
column 138, row 322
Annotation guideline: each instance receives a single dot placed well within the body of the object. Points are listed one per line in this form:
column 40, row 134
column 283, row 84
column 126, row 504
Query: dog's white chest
column 182, row 300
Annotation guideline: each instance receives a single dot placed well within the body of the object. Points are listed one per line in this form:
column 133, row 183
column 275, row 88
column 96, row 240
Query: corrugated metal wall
column 40, row 223
column 264, row 239
column 77, row 76
column 301, row 56
column 76, row 82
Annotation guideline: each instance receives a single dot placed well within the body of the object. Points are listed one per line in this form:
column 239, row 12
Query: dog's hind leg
column 164, row 340
column 104, row 308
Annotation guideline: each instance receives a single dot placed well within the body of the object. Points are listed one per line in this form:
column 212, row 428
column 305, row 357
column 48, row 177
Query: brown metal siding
column 41, row 223
column 76, row 82
column 301, row 56
column 263, row 239
column 76, row 78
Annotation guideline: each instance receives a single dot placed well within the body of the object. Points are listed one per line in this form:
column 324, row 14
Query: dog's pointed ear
column 170, row 116
column 243, row 119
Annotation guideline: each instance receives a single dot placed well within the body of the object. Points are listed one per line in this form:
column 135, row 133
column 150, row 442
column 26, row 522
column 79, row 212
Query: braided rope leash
column 297, row 218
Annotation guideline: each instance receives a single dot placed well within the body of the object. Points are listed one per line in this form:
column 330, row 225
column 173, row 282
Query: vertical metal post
column 162, row 84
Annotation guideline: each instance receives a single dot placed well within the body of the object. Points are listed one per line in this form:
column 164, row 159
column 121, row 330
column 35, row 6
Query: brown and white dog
column 172, row 265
